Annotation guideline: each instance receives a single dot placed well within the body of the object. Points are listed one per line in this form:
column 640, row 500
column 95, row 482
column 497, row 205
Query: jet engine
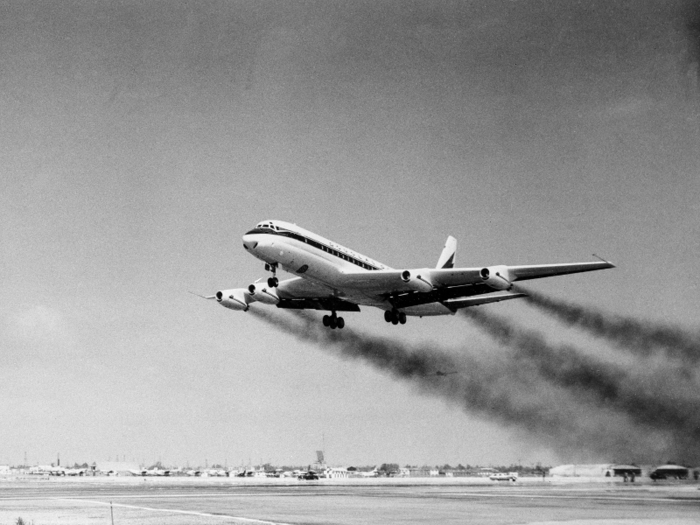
column 263, row 293
column 497, row 277
column 236, row 299
column 417, row 282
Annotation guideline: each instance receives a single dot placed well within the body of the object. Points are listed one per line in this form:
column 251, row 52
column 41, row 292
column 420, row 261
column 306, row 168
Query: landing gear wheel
column 333, row 323
column 387, row 316
column 273, row 281
column 341, row 323
column 402, row 318
column 326, row 320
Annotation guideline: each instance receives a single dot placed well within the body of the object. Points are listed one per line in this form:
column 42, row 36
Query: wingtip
column 202, row 296
column 605, row 261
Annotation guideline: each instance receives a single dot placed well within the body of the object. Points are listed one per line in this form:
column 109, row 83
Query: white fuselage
column 321, row 261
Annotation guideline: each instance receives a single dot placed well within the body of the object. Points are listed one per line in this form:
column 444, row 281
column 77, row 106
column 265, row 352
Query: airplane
column 48, row 469
column 440, row 373
column 371, row 474
column 150, row 472
column 333, row 278
column 155, row 471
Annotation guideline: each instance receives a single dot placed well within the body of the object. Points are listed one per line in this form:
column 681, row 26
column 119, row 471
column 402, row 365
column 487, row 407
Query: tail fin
column 447, row 257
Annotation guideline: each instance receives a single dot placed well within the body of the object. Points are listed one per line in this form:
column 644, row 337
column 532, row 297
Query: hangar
column 669, row 472
column 603, row 470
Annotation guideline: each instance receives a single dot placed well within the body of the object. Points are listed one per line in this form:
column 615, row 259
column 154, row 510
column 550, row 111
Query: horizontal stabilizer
column 464, row 302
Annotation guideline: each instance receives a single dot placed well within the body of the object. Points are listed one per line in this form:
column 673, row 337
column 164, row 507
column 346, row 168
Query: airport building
column 336, row 473
column 605, row 470
column 116, row 468
column 671, row 472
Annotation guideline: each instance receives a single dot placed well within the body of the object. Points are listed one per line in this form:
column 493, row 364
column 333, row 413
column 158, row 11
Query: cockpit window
column 258, row 229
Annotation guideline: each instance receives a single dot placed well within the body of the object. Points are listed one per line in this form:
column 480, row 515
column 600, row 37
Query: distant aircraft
column 48, row 469
column 371, row 474
column 443, row 374
column 157, row 472
column 334, row 278
column 150, row 472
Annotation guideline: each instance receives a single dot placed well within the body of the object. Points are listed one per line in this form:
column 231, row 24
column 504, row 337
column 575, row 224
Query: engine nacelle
column 496, row 277
column 236, row 299
column 420, row 283
column 263, row 293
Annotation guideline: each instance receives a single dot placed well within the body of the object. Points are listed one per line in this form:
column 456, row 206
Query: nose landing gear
column 333, row 321
column 394, row 317
column 273, row 281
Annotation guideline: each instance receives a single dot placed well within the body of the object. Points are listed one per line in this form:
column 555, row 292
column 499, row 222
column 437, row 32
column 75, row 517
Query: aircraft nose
column 249, row 243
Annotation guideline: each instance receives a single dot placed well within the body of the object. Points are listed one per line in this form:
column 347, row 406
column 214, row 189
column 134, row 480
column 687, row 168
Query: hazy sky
column 140, row 140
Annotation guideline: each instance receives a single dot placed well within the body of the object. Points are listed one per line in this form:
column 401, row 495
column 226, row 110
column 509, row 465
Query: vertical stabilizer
column 447, row 257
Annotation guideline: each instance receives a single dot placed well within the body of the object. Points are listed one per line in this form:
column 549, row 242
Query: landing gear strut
column 273, row 281
column 394, row 317
column 333, row 321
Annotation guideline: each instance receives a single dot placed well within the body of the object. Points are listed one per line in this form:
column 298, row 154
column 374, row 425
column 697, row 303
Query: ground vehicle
column 504, row 476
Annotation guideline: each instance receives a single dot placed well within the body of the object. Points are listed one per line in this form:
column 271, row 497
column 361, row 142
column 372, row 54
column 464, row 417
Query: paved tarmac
column 179, row 501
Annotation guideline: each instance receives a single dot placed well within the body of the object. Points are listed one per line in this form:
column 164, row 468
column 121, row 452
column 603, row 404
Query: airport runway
column 175, row 502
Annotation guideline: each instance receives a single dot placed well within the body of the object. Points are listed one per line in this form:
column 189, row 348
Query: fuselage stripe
column 318, row 245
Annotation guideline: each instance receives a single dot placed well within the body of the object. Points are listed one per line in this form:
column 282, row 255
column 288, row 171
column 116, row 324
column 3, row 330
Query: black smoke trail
column 642, row 337
column 651, row 398
column 489, row 384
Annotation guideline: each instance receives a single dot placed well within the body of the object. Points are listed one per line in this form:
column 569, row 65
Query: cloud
column 38, row 323
column 39, row 332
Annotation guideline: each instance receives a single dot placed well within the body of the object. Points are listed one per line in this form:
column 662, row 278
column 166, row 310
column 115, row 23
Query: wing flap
column 321, row 303
column 465, row 302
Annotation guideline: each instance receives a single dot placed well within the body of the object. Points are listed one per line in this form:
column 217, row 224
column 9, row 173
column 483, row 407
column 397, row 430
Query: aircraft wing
column 302, row 294
column 523, row 273
column 388, row 282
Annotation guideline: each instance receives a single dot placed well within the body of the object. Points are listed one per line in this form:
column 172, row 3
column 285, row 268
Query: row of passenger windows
column 264, row 228
column 326, row 249
column 343, row 256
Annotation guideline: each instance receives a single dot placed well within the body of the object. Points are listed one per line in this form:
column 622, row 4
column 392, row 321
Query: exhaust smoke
column 517, row 393
column 651, row 398
column 642, row 337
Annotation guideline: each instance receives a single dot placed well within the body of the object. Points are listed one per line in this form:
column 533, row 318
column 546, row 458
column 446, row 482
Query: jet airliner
column 333, row 278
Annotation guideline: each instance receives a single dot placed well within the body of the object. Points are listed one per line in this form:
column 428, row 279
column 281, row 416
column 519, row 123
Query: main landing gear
column 273, row 281
column 333, row 321
column 394, row 317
